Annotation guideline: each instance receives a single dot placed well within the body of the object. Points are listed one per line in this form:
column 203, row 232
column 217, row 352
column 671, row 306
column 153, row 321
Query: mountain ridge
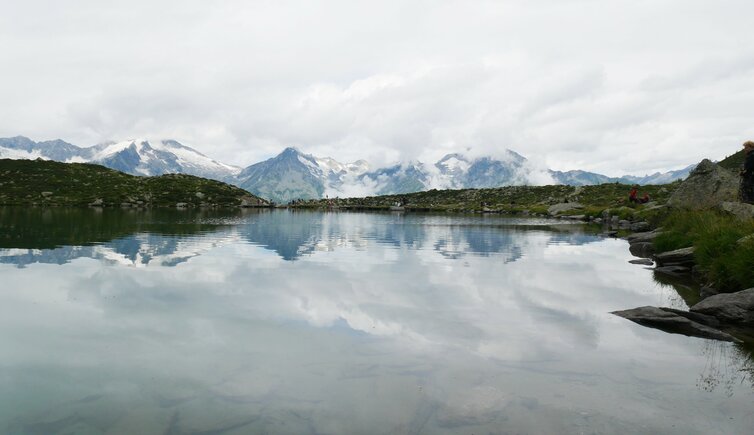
column 293, row 174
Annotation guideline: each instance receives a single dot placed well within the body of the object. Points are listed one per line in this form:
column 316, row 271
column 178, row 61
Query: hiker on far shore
column 746, row 190
column 632, row 194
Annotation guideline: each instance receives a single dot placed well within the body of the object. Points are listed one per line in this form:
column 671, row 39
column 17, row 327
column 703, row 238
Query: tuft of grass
column 725, row 262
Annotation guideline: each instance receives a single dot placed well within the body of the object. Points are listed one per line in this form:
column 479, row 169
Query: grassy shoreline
column 514, row 200
column 723, row 246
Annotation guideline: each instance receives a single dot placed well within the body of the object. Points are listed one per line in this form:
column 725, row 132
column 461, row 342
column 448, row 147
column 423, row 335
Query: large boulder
column 740, row 210
column 707, row 186
column 735, row 308
column 676, row 321
column 557, row 209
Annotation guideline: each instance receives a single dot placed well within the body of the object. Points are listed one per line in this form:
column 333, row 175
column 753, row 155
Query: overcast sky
column 609, row 86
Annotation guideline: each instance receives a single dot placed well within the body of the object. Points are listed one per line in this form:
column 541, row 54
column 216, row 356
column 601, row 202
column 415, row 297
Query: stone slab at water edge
column 734, row 308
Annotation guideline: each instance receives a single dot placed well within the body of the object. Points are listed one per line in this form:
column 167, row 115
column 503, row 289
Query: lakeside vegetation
column 50, row 183
column 723, row 246
column 527, row 200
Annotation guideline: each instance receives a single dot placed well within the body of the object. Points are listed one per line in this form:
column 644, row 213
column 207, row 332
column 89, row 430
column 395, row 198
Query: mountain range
column 293, row 174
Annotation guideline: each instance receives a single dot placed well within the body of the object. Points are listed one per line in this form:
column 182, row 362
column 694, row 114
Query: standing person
column 746, row 190
column 632, row 194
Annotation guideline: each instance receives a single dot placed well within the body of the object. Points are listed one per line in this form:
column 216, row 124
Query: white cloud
column 614, row 87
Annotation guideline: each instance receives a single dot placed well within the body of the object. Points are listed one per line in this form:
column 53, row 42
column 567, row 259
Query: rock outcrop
column 740, row 210
column 557, row 209
column 677, row 322
column 706, row 187
column 734, row 308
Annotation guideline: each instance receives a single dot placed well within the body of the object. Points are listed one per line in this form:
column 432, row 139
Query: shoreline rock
column 676, row 322
column 734, row 308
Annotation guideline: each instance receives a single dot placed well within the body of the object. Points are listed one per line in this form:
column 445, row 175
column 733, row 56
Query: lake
column 294, row 322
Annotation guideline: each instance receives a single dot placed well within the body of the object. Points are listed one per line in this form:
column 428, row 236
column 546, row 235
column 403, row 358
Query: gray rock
column 695, row 317
column 46, row 194
column 598, row 221
column 677, row 271
column 97, row 203
column 740, row 210
column 640, row 226
column 575, row 217
column 641, row 249
column 707, row 186
column 642, row 261
column 647, row 236
column 679, row 257
column 673, row 321
column 181, row 205
column 557, row 209
column 737, row 308
column 707, row 291
column 623, row 224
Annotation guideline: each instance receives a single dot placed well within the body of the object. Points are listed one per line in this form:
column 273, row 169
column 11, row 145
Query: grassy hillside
column 48, row 183
column 508, row 199
column 733, row 161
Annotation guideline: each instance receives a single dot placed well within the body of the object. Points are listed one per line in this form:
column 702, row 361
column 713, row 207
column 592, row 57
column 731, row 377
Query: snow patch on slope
column 10, row 153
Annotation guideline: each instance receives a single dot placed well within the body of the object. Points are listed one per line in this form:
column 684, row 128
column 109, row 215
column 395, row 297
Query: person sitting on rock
column 746, row 189
column 632, row 195
column 644, row 199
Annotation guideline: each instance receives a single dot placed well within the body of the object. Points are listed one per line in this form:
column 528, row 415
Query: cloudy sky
column 609, row 86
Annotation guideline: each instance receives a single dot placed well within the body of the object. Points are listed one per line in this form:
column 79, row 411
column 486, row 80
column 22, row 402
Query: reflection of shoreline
column 170, row 237
column 726, row 365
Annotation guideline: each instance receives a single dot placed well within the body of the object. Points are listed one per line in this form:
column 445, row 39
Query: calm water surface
column 342, row 323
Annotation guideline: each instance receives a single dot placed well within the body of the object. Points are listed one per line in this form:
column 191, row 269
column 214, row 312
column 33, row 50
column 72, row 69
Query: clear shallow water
column 298, row 322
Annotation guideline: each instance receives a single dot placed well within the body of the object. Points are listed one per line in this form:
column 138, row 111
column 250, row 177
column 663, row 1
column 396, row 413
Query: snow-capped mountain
column 454, row 171
column 156, row 157
column 294, row 175
column 21, row 147
column 583, row 178
column 402, row 178
column 138, row 157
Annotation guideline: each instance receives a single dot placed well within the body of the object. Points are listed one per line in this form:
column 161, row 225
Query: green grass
column 733, row 161
column 727, row 264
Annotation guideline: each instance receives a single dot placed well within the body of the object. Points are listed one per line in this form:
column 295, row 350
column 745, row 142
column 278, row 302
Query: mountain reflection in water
column 181, row 322
column 168, row 237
